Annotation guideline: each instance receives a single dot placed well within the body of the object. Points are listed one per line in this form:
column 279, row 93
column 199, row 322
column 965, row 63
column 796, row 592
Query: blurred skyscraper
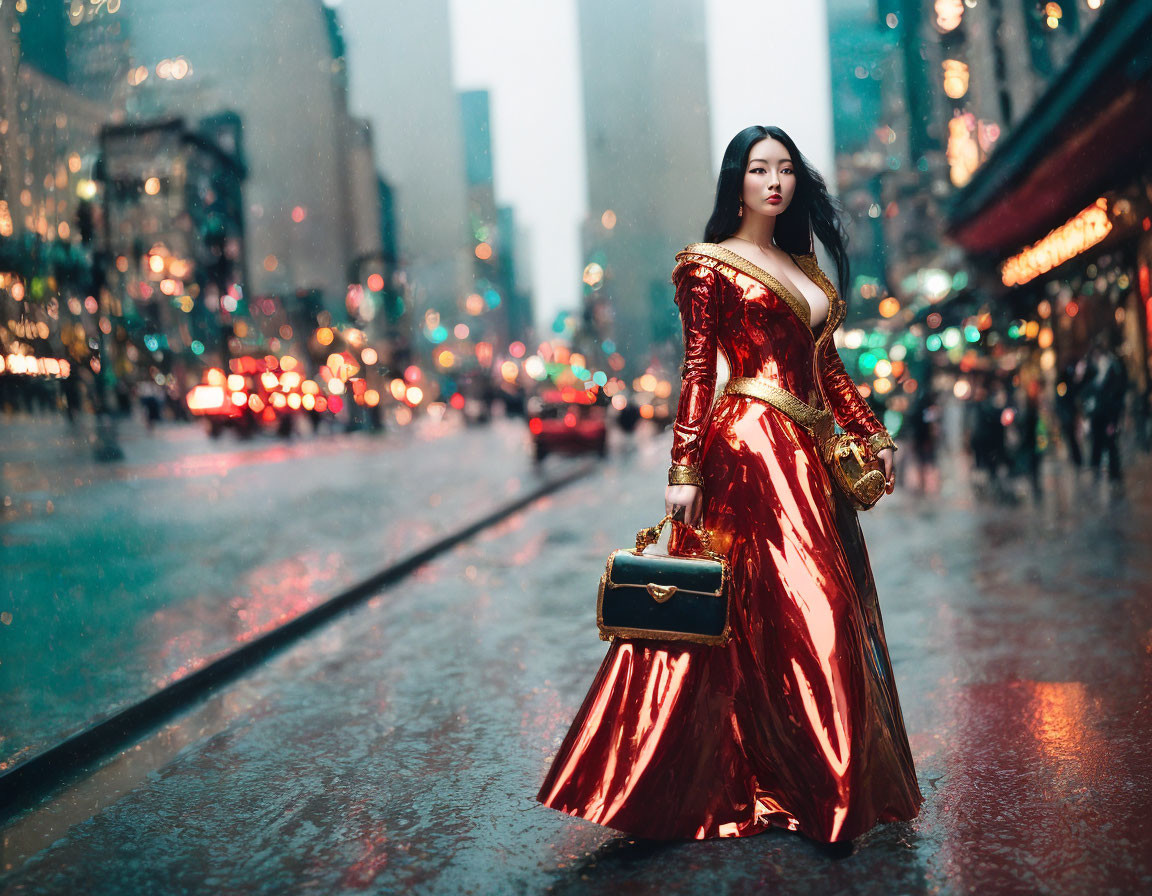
column 364, row 211
column 10, row 181
column 650, row 178
column 49, row 144
column 400, row 78
column 499, row 314
column 864, row 61
column 891, row 164
column 175, row 240
column 521, row 313
column 289, row 87
column 49, row 131
column 41, row 30
column 99, row 49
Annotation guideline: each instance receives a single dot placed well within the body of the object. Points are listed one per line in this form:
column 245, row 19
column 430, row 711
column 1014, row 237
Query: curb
column 38, row 776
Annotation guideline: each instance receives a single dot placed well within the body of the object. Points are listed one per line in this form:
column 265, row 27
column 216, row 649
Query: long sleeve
column 696, row 296
column 847, row 404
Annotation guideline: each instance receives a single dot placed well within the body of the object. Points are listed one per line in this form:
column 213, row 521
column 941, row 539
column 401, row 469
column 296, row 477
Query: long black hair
column 811, row 211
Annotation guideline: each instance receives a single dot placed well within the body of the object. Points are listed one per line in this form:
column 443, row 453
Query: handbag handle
column 651, row 535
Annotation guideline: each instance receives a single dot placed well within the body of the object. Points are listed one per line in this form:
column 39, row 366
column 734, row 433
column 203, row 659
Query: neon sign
column 1078, row 233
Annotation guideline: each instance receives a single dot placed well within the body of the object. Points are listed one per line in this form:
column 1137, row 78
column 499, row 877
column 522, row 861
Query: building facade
column 501, row 317
column 400, row 76
column 289, row 88
column 49, row 146
column 650, row 174
column 1059, row 216
column 173, row 248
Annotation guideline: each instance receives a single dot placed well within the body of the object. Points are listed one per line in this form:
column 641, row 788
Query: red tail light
column 205, row 398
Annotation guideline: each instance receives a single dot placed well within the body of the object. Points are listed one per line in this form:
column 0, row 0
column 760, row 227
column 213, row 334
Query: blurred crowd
column 1009, row 426
column 1006, row 424
column 74, row 394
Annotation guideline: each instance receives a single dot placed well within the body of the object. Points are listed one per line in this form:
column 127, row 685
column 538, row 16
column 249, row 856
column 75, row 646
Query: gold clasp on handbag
column 651, row 535
column 660, row 593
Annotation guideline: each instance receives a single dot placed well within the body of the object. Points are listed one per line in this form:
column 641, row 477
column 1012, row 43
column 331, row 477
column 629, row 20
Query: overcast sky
column 768, row 64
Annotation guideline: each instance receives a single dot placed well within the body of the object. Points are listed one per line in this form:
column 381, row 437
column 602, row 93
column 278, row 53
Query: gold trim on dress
column 737, row 262
column 880, row 440
column 709, row 254
column 837, row 311
column 817, row 421
column 851, row 459
column 811, row 269
column 713, row 252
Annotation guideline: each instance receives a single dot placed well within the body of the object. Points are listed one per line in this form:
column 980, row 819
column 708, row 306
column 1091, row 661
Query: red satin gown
column 795, row 723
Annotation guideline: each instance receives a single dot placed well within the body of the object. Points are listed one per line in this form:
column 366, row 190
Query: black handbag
column 663, row 598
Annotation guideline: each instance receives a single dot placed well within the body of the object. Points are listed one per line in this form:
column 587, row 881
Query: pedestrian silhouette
column 1105, row 389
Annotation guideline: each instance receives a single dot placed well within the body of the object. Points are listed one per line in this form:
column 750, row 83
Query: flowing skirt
column 794, row 723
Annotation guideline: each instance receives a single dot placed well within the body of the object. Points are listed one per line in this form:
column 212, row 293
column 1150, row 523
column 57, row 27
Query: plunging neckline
column 797, row 303
column 795, row 293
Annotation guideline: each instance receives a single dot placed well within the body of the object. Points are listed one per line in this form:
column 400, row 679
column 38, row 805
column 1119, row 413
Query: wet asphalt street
column 192, row 547
column 398, row 749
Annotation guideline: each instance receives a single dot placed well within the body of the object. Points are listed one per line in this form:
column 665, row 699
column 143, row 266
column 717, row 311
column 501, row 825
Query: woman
column 795, row 722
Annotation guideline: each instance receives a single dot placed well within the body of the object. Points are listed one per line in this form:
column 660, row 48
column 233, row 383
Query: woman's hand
column 887, row 457
column 681, row 498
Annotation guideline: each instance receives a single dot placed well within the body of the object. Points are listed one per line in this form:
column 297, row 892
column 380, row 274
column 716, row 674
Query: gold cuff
column 681, row 474
column 879, row 440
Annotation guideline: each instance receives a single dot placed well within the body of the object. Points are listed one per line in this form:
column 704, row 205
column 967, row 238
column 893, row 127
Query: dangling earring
column 740, row 210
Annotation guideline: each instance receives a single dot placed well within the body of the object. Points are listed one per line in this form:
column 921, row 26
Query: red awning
column 1094, row 149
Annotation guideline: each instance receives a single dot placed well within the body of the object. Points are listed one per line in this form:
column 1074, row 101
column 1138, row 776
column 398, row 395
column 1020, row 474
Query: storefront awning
column 1085, row 135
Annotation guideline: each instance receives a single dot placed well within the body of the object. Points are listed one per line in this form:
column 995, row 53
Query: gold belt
column 820, row 423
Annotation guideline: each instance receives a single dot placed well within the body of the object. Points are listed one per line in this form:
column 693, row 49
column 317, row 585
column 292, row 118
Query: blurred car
column 254, row 394
column 478, row 394
column 629, row 417
column 567, row 425
column 476, row 410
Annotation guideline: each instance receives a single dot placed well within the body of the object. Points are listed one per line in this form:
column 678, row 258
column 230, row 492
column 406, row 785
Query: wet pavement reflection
column 399, row 748
column 193, row 546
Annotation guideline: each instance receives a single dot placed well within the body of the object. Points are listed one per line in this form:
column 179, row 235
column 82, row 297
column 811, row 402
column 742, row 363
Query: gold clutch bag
column 856, row 470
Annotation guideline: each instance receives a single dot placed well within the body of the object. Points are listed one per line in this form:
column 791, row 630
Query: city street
column 340, row 347
column 399, row 748
column 203, row 545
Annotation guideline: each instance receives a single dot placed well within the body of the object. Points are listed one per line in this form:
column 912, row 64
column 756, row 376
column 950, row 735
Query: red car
column 255, row 393
column 568, row 427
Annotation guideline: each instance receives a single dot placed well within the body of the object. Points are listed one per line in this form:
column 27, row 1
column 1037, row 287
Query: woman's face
column 769, row 178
